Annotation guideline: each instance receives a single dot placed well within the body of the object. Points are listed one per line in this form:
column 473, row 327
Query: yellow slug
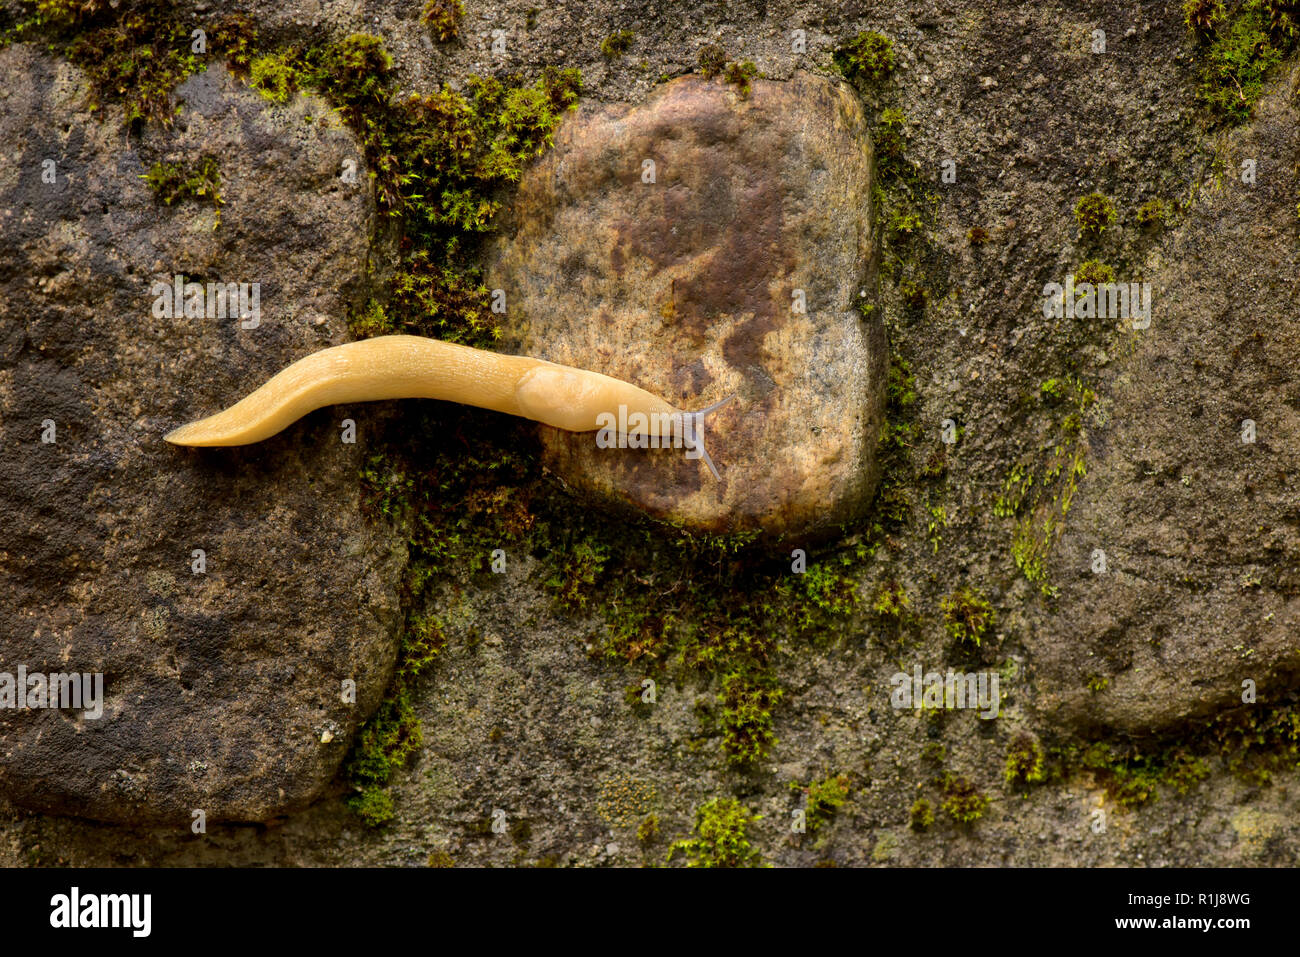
column 412, row 367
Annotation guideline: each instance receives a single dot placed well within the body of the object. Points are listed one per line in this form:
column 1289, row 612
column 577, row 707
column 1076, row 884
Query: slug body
column 412, row 367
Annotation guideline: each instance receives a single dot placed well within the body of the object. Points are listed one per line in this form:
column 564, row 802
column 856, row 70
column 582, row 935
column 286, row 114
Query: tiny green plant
column 720, row 837
column 1025, row 760
column 967, row 616
column 712, row 60
column 1094, row 271
column 1201, row 16
column 869, row 55
column 443, row 17
column 177, row 182
column 892, row 602
column 962, row 800
column 740, row 73
column 1151, row 214
column 1094, row 213
column 616, row 44
column 824, row 798
column 921, row 816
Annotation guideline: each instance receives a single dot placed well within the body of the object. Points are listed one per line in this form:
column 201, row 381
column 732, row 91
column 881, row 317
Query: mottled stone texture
column 220, row 686
column 688, row 286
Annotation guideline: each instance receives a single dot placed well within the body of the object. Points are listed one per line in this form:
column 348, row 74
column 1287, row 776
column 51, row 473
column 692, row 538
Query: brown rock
column 218, row 687
column 687, row 287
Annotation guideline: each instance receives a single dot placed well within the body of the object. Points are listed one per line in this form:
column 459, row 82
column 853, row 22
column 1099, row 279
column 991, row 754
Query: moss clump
column 273, row 77
column 903, row 223
column 963, row 801
column 869, row 55
column 578, row 569
column 891, row 142
column 616, row 44
column 1151, row 214
column 892, row 602
column 712, row 60
column 740, row 73
column 748, row 697
column 977, row 236
column 1094, row 213
column 177, row 182
column 823, row 798
column 1025, row 761
column 443, row 18
column 1095, row 272
column 647, row 832
column 1201, row 16
column 392, row 735
column 967, row 616
column 137, row 61
column 921, row 816
column 720, row 838
column 1240, row 55
column 1283, row 21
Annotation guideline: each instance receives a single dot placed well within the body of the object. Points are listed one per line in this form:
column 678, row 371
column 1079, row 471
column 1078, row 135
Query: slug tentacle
column 412, row 367
column 697, row 432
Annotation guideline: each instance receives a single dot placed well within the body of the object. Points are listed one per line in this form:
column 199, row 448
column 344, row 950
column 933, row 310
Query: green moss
column 392, row 735
column 1038, row 492
column 1095, row 272
column 647, row 831
column 935, row 526
column 740, row 73
column 921, row 815
column 443, row 18
column 962, row 800
column 1094, row 213
column 823, row 798
column 892, row 602
column 177, row 182
column 903, row 223
column 748, row 698
column 977, row 236
column 1240, row 51
column 578, row 570
column 1025, row 761
column 1151, row 214
column 869, row 56
column 720, row 837
column 712, row 60
column 272, row 76
column 890, row 142
column 1202, row 16
column 1097, row 683
column 967, row 616
column 616, row 44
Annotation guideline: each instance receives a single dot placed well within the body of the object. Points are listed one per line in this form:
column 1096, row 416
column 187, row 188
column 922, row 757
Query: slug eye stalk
column 412, row 367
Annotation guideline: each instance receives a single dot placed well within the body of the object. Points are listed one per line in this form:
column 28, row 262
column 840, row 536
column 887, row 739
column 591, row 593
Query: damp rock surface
column 705, row 245
column 218, row 687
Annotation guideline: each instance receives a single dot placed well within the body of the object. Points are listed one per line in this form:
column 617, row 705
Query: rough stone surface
column 218, row 686
column 688, row 286
column 517, row 713
column 1201, row 529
